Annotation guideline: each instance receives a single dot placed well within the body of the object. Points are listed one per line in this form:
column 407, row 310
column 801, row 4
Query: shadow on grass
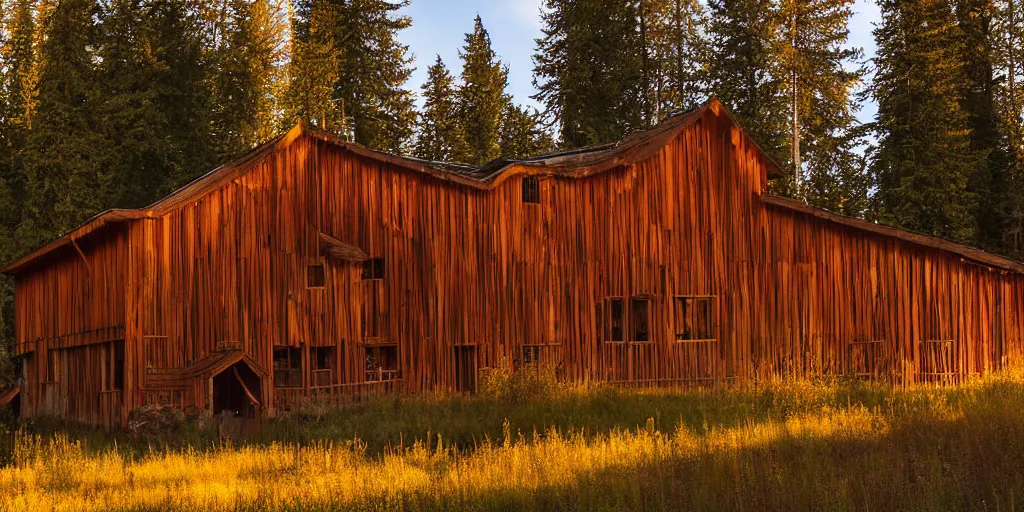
column 970, row 459
column 948, row 449
column 385, row 423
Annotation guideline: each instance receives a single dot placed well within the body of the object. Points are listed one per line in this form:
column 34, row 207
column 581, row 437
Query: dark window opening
column 373, row 268
column 694, row 318
column 322, row 364
column 287, row 367
column 531, row 189
column 323, row 358
column 640, row 309
column 465, row 368
column 617, row 320
column 315, row 276
column 531, row 355
column 381, row 363
column 115, row 366
column 51, row 366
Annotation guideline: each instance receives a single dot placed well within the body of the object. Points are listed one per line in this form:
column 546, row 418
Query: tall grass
column 531, row 445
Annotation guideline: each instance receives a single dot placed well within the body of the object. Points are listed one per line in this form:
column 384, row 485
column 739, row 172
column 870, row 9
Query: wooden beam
column 252, row 398
column 85, row 260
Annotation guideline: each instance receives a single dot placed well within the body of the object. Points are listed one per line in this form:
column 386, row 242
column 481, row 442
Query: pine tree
column 20, row 77
column 21, row 65
column 589, row 71
column 248, row 70
column 744, row 72
column 64, row 178
column 367, row 100
column 820, row 73
column 679, row 55
column 154, row 101
column 373, row 69
column 313, row 70
column 1008, row 60
column 440, row 134
column 925, row 158
column 482, row 97
column 522, row 134
column 975, row 20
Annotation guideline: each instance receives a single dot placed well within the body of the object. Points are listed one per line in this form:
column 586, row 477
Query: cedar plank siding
column 216, row 278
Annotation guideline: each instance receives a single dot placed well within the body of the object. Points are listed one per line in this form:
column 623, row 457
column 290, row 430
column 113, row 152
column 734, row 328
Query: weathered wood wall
column 475, row 278
column 67, row 313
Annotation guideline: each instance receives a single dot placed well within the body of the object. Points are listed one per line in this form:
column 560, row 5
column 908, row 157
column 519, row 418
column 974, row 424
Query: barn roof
column 967, row 252
column 576, row 163
column 211, row 365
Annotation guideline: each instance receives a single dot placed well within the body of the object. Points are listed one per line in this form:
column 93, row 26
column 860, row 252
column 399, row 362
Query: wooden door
column 465, row 369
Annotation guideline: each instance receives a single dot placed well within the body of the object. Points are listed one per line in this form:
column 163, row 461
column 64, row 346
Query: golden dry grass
column 784, row 446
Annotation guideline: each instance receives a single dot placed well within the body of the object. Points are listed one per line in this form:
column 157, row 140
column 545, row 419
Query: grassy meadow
column 529, row 444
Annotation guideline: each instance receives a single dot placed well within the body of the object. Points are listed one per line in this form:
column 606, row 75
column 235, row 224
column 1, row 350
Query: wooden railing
column 289, row 399
column 380, row 375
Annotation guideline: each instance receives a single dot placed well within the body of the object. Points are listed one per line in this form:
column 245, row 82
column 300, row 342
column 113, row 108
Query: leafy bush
column 505, row 384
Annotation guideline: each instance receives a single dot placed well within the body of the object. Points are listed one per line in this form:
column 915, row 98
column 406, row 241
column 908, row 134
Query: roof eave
column 966, row 252
column 90, row 226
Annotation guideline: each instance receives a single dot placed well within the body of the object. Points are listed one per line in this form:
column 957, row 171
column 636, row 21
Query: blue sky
column 439, row 26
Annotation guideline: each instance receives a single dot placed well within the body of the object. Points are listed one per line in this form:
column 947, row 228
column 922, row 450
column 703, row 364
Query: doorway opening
column 236, row 392
column 465, row 369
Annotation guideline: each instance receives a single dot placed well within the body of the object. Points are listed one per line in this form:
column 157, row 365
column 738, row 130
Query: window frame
column 610, row 327
column 316, row 357
column 374, row 269
column 685, row 316
column 380, row 373
column 531, row 189
column 534, row 352
column 620, row 326
column 293, row 369
column 316, row 270
column 635, row 322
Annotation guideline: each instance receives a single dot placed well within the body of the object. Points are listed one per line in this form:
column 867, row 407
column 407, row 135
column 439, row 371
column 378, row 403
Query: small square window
column 694, row 318
column 315, row 276
column 373, row 268
column 531, row 189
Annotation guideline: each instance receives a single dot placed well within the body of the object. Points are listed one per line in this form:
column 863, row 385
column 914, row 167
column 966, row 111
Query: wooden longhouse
column 318, row 268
